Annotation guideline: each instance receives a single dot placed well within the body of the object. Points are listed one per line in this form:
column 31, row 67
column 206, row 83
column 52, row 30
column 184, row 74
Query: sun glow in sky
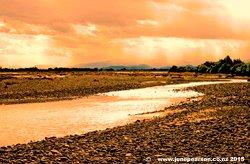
column 155, row 32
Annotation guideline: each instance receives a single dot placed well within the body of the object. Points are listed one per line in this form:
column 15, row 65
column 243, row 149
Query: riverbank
column 215, row 126
column 29, row 87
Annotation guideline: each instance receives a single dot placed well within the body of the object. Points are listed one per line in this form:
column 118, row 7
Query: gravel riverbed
column 215, row 126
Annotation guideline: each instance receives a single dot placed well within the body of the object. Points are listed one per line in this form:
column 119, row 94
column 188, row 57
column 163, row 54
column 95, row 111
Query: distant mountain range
column 94, row 65
column 130, row 67
column 108, row 65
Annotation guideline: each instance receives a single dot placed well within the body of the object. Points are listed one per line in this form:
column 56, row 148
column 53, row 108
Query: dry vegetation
column 49, row 86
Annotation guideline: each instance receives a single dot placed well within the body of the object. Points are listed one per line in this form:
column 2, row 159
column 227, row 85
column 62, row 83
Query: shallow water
column 22, row 123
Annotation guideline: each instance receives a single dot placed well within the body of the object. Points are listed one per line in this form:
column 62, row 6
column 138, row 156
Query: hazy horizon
column 127, row 32
column 105, row 64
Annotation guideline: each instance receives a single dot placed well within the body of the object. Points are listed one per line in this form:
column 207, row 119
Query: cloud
column 148, row 22
column 26, row 51
column 107, row 12
column 2, row 24
column 128, row 18
column 181, row 51
column 122, row 31
column 89, row 29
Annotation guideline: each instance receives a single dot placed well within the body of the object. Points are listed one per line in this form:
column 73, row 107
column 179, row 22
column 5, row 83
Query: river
column 21, row 123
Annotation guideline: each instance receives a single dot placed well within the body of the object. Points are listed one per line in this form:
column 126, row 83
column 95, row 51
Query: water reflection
column 21, row 123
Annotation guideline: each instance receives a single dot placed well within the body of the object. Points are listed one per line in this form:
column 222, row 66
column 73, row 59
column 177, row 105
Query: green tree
column 225, row 68
column 248, row 69
column 227, row 60
column 173, row 69
column 237, row 61
column 241, row 69
column 214, row 68
column 209, row 64
column 202, row 68
column 190, row 68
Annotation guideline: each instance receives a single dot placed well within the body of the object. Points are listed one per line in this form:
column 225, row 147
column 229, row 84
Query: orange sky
column 154, row 32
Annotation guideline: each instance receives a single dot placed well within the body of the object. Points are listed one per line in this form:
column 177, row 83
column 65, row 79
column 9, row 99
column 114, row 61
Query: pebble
column 223, row 136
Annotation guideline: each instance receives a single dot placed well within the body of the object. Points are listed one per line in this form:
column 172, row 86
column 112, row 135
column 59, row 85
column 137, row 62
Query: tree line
column 225, row 66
